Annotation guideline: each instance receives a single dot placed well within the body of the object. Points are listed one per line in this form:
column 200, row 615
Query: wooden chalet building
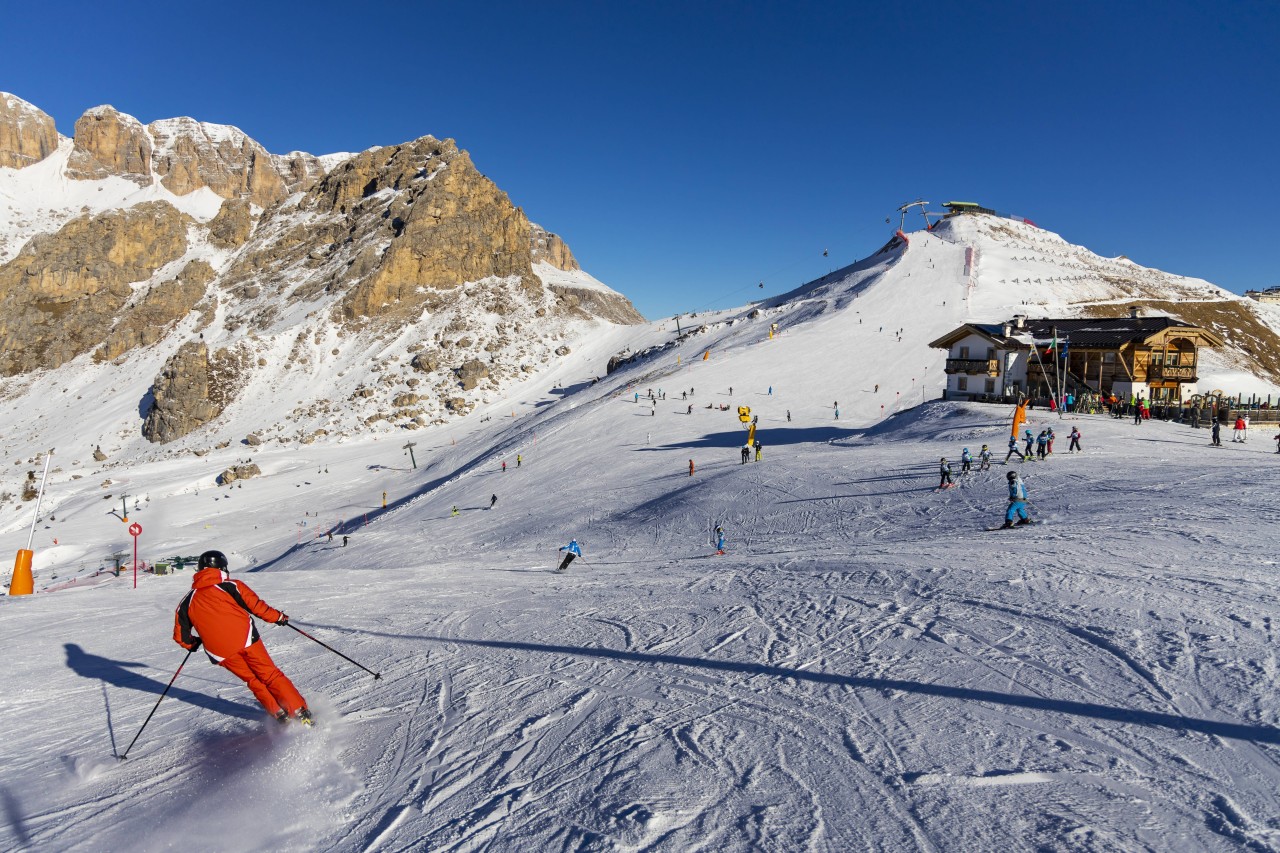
column 1154, row 357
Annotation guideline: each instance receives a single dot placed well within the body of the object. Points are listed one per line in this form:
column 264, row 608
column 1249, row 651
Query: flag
column 1019, row 417
column 1052, row 346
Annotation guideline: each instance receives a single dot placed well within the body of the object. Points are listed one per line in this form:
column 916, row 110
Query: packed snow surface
column 868, row 666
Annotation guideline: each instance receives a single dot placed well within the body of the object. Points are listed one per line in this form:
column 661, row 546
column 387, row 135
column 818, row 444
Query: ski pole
column 376, row 675
column 122, row 756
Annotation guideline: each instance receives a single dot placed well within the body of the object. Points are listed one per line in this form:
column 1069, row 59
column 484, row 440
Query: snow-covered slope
column 866, row 668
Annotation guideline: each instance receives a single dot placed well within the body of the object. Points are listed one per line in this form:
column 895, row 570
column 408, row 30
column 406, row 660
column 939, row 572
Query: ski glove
column 195, row 645
column 283, row 620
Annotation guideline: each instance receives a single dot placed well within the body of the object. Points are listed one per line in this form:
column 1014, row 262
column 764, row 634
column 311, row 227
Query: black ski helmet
column 213, row 560
column 1012, row 475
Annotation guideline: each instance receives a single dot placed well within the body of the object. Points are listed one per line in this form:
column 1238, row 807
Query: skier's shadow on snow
column 119, row 674
column 1093, row 710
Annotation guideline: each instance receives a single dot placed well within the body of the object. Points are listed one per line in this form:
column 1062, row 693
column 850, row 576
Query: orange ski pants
column 270, row 686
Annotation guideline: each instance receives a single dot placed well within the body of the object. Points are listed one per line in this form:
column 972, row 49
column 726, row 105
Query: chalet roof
column 1093, row 333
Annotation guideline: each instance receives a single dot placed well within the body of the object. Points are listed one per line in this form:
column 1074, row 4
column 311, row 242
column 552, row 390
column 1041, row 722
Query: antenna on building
column 906, row 208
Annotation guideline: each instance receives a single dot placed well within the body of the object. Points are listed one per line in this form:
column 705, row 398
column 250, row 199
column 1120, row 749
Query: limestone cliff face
column 63, row 290
column 147, row 321
column 108, row 142
column 400, row 286
column 550, row 249
column 191, row 154
column 27, row 134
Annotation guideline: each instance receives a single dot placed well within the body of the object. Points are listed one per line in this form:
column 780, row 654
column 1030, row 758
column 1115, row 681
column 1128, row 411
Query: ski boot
column 304, row 717
column 282, row 717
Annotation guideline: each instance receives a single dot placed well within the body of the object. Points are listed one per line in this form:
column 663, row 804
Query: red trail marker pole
column 135, row 530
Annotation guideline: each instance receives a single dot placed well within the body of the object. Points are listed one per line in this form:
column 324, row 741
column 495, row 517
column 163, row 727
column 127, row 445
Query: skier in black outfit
column 1217, row 434
column 944, row 469
column 493, row 500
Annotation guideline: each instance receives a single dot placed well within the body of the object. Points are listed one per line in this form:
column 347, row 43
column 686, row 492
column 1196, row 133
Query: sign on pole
column 135, row 530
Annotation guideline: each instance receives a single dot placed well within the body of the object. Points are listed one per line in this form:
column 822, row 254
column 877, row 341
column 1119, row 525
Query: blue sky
column 687, row 151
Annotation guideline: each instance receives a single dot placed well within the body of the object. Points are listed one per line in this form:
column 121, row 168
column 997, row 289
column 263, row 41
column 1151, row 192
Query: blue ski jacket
column 573, row 548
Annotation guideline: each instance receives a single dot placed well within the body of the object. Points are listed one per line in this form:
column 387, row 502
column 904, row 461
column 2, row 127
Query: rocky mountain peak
column 27, row 134
column 109, row 142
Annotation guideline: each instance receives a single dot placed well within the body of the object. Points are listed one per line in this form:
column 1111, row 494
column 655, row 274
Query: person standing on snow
column 1075, row 441
column 966, row 461
column 690, row 467
column 1031, row 440
column 218, row 614
column 759, row 450
column 984, row 459
column 1217, row 434
column 719, row 540
column 1049, row 444
column 1013, row 450
column 944, row 469
column 571, row 550
column 1238, row 433
column 493, row 499
column 1017, row 501
column 1042, row 441
column 746, row 453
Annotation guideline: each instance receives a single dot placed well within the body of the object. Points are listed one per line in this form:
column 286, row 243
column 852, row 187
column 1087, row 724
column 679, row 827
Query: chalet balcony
column 1165, row 373
column 974, row 366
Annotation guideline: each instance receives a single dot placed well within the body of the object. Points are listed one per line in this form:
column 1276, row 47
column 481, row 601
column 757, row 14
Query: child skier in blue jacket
column 1017, row 501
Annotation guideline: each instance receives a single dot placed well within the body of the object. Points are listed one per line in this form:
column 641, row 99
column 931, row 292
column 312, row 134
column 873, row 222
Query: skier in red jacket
column 218, row 613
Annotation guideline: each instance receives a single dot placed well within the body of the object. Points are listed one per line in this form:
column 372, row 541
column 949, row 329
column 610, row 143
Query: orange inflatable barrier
column 23, row 583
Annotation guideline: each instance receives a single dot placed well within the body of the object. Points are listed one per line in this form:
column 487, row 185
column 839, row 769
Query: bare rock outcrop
column 451, row 225
column 27, row 133
column 233, row 224
column 239, row 472
column 192, row 389
column 109, row 142
column 548, row 248
column 605, row 304
column 63, row 289
column 191, row 154
column 471, row 373
column 154, row 315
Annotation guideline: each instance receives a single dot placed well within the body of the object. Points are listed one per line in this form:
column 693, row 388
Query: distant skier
column 759, row 451
column 788, row 416
column 455, row 510
column 571, row 550
column 966, row 461
column 493, row 499
column 504, row 466
column 690, row 467
column 1049, row 443
column 1278, row 442
column 770, row 390
column 690, row 410
column 944, row 470
column 1238, row 433
column 984, row 459
column 1075, row 441
column 719, row 540
column 746, row 453
column 1217, row 434
column 1014, row 451
column 218, row 614
column 1031, row 440
column 345, row 540
column 519, row 459
column 1017, row 501
column 1042, row 442
column 837, row 414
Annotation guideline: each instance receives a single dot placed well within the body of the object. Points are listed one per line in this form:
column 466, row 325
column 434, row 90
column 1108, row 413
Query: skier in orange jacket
column 218, row 613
